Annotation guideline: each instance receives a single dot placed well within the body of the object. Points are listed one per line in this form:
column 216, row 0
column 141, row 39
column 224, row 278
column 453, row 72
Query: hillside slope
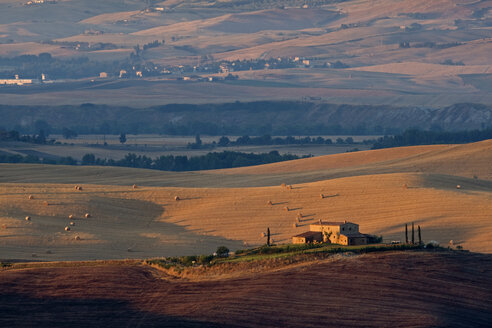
column 468, row 160
column 380, row 190
column 356, row 51
column 374, row 290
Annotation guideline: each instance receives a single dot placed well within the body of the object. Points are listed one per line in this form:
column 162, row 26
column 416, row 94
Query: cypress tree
column 413, row 235
column 268, row 236
column 420, row 236
column 406, row 233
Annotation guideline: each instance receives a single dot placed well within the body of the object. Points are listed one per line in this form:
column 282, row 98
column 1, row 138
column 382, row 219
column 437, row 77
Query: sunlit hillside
column 426, row 53
column 380, row 190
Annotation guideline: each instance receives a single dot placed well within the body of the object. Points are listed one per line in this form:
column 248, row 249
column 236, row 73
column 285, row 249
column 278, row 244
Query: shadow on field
column 17, row 310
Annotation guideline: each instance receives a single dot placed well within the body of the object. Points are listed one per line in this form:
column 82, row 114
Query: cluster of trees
column 429, row 44
column 32, row 159
column 14, row 135
column 32, row 66
column 289, row 140
column 210, row 161
column 453, row 63
column 415, row 137
column 269, row 140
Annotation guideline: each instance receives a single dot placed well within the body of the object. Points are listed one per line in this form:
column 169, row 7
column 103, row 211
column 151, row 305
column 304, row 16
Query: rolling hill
column 411, row 289
column 450, row 40
column 381, row 190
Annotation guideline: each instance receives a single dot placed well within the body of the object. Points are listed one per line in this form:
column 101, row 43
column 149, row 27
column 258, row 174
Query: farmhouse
column 308, row 237
column 338, row 232
column 16, row 81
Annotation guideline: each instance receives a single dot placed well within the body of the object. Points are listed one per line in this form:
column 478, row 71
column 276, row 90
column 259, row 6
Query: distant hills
column 250, row 118
column 402, row 53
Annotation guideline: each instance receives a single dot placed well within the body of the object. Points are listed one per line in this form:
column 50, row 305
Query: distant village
column 206, row 70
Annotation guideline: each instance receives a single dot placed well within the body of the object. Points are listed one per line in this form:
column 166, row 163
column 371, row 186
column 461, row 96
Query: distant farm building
column 308, row 237
column 16, row 81
column 342, row 232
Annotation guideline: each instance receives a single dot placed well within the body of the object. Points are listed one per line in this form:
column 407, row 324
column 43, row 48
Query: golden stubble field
column 148, row 221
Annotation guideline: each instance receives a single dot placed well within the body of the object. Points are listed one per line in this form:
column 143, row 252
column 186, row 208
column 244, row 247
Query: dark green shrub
column 373, row 239
column 188, row 260
column 205, row 259
column 222, row 251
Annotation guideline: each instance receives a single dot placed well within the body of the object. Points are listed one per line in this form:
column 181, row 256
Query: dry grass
column 315, row 32
column 149, row 222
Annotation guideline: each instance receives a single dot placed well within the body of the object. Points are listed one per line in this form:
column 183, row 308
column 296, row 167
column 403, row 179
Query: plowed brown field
column 410, row 289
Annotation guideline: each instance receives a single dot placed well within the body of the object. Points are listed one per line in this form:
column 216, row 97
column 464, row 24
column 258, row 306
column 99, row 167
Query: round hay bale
column 176, row 198
column 134, row 186
column 405, row 186
column 67, row 228
column 269, row 203
column 76, row 187
column 295, row 224
column 263, row 234
column 45, row 203
column 28, row 218
column 283, row 185
column 77, row 238
column 320, row 222
column 299, row 215
column 70, row 217
column 72, row 223
column 286, row 209
column 87, row 215
column 321, row 196
column 289, row 187
column 458, row 186
column 31, row 197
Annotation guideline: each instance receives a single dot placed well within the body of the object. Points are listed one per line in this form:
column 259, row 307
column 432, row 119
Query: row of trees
column 14, row 135
column 289, row 140
column 209, row 161
column 269, row 140
column 33, row 159
column 415, row 137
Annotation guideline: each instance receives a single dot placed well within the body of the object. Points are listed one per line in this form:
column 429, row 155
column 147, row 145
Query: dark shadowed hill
column 253, row 118
column 411, row 289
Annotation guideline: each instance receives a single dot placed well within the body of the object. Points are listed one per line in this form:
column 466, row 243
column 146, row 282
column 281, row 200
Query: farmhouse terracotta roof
column 308, row 234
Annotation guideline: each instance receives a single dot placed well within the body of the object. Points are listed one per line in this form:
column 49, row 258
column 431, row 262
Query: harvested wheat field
column 447, row 190
column 410, row 289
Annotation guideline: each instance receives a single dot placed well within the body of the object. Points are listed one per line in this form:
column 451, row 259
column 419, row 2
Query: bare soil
column 401, row 289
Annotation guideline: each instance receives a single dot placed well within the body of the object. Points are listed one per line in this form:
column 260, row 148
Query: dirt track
column 376, row 290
